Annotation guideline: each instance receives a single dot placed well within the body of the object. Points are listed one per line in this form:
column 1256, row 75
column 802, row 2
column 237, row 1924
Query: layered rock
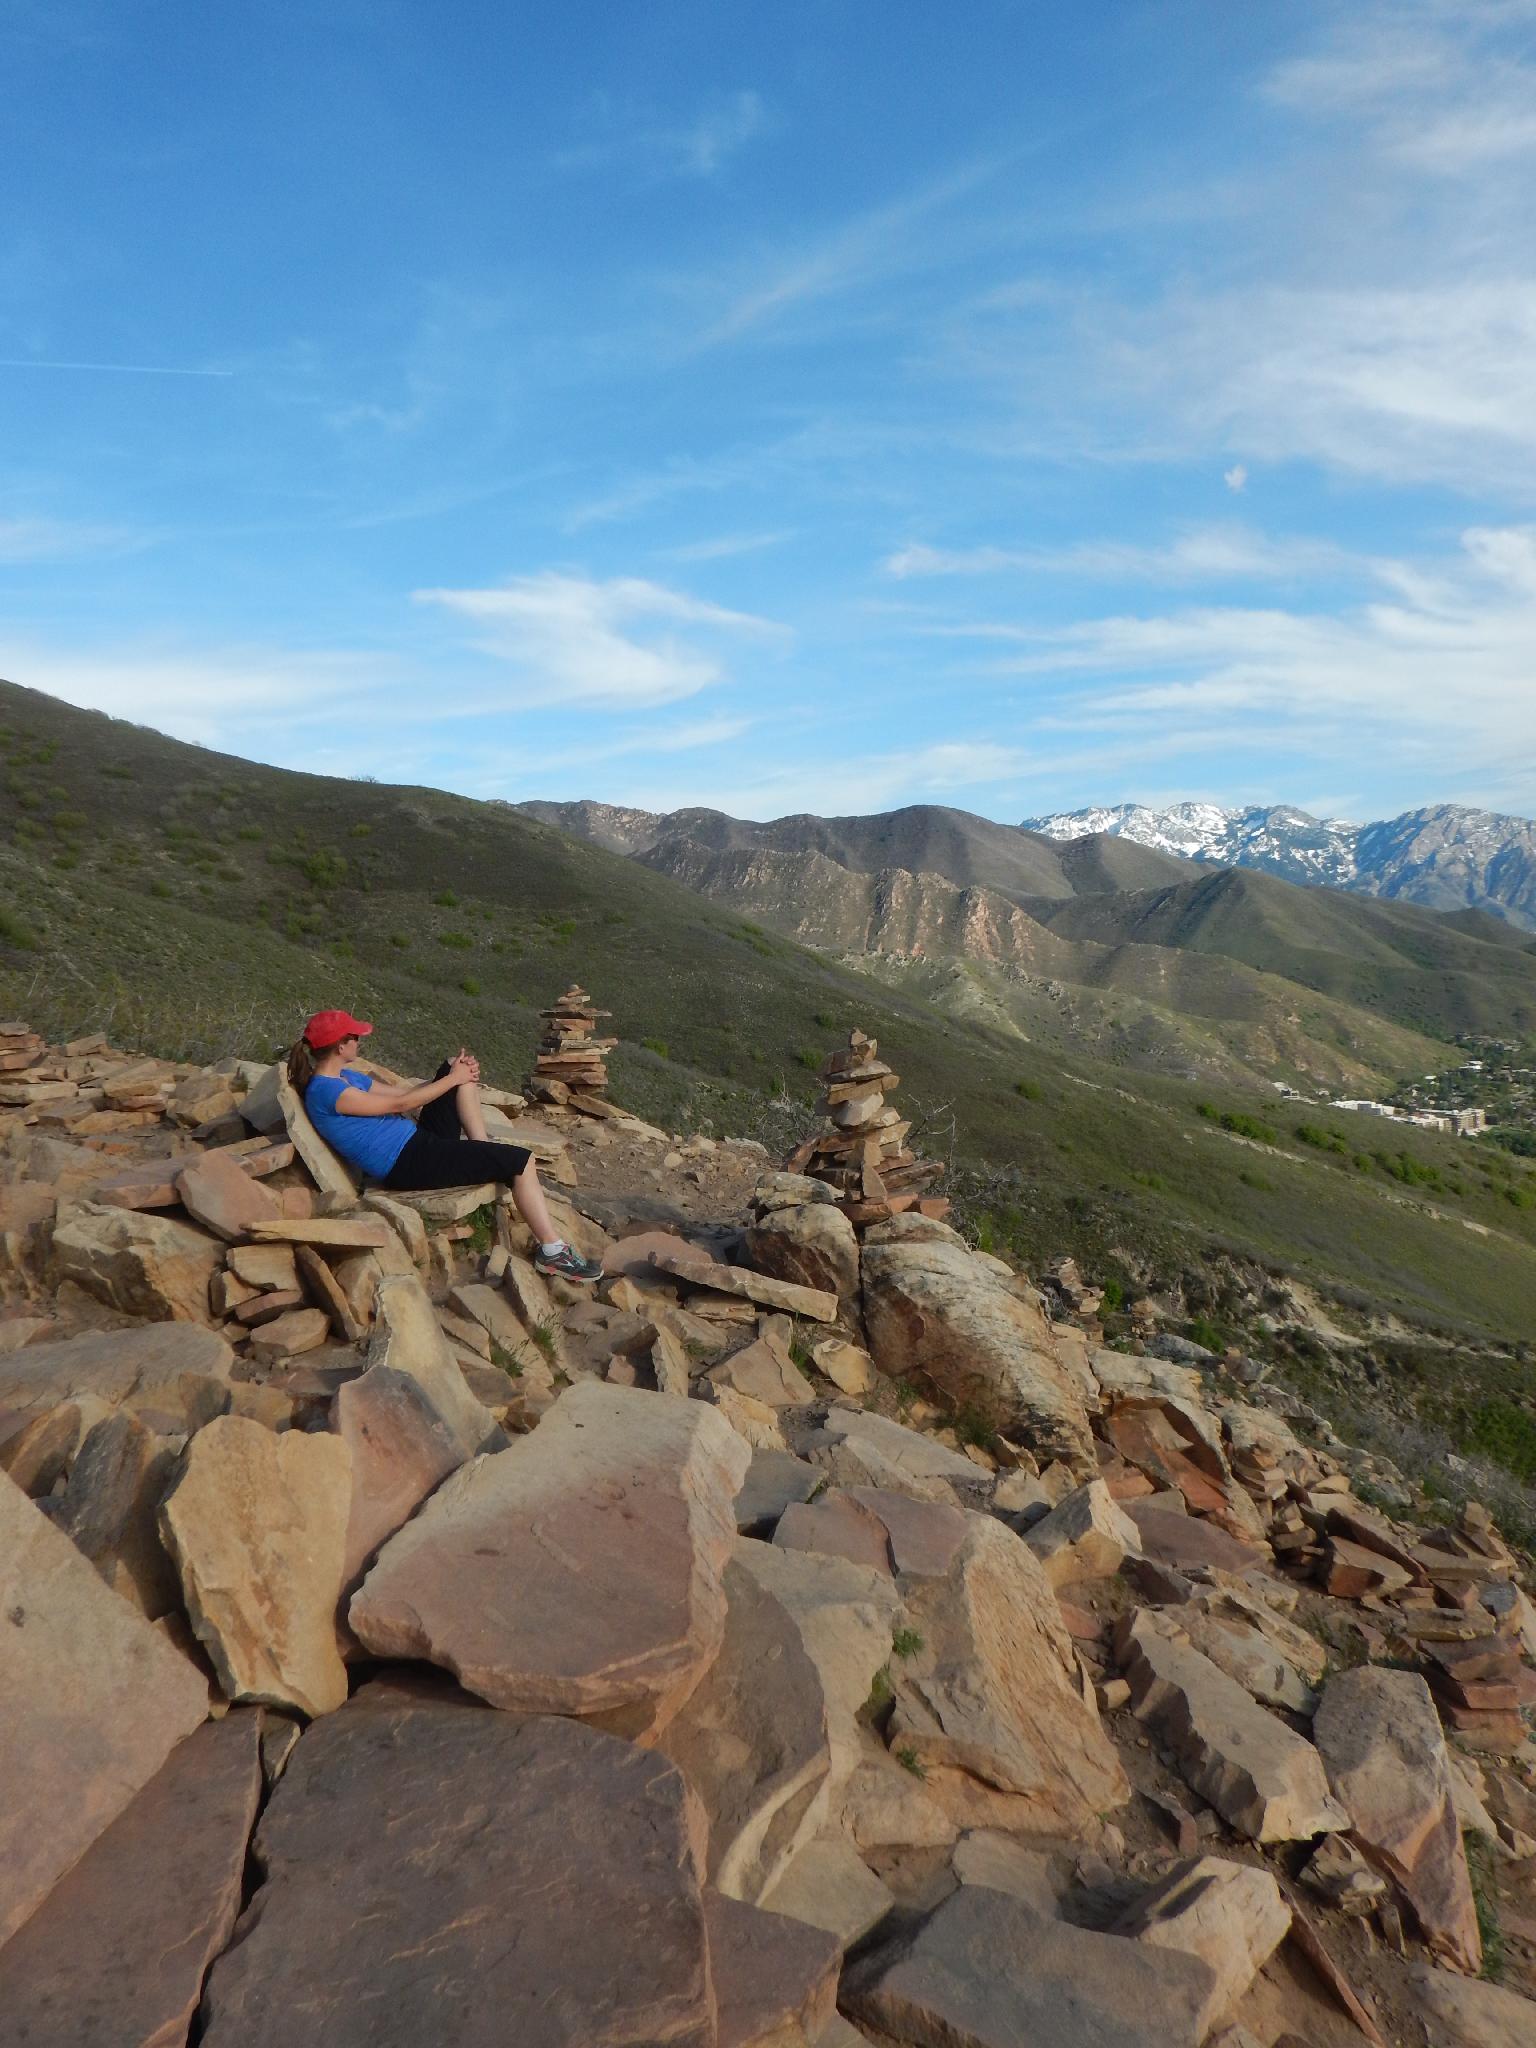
column 990, row 1705
column 552, row 1895
column 863, row 1155
column 580, row 1571
column 92, row 1698
column 569, row 1070
column 117, row 1951
column 1262, row 1778
column 1230, row 1915
column 812, row 1245
column 932, row 1306
column 138, row 1262
column 989, row 1971
column 1381, row 1741
column 257, row 1525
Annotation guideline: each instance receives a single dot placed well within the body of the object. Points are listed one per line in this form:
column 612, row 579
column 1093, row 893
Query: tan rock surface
column 1266, row 1781
column 1463, row 2014
column 830, row 1886
column 1231, row 1915
column 168, row 1368
column 339, row 1233
column 752, row 1741
column 1086, row 1537
column 811, row 1246
column 1381, row 1741
column 217, row 1193
column 257, row 1525
column 109, row 1509
column 930, row 1306
column 91, row 1697
column 774, row 1978
column 401, row 1450
column 551, row 1895
column 407, row 1338
column 848, row 1366
column 991, row 1706
column 988, row 1971
column 116, row 1953
column 580, row 1571
column 139, row 1262
column 764, row 1372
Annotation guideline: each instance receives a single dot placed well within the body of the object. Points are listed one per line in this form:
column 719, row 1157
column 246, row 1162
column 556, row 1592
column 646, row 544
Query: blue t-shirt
column 373, row 1143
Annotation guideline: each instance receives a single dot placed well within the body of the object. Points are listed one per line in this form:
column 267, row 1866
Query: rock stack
column 570, row 1071
column 864, row 1155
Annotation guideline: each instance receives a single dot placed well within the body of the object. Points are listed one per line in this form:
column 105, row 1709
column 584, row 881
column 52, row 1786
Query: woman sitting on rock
column 444, row 1147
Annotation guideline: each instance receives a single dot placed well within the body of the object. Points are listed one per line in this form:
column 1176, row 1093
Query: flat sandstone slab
column 92, row 1701
column 257, row 1525
column 577, row 1572
column 448, row 1873
column 158, row 1894
column 701, row 1271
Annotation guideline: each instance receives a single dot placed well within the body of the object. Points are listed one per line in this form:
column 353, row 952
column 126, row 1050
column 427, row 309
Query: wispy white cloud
column 697, row 147
column 1441, row 89
column 1436, row 682
column 111, row 369
column 1202, row 554
column 571, row 640
column 722, row 546
column 214, row 696
column 872, row 245
column 57, row 540
column 975, row 768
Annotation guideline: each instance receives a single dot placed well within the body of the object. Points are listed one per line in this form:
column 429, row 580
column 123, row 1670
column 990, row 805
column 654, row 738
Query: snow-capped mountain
column 1444, row 856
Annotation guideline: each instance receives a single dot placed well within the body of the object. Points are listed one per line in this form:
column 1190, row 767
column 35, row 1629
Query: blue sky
column 810, row 407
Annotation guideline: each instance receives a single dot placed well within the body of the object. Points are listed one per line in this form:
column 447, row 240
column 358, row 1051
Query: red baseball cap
column 330, row 1027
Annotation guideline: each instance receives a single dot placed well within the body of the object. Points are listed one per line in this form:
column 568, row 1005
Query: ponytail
column 301, row 1065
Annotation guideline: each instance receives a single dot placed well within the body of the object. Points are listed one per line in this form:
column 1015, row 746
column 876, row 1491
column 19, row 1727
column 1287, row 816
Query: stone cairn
column 864, row 1155
column 569, row 1071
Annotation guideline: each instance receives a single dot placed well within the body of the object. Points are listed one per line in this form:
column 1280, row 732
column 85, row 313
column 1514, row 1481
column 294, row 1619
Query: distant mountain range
column 1103, row 940
column 1444, row 856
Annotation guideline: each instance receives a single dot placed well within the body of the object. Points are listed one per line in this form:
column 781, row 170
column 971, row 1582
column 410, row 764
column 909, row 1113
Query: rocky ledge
column 816, row 1634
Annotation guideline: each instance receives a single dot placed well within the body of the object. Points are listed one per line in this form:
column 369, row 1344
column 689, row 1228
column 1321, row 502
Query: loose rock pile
column 611, row 1668
column 864, row 1155
column 569, row 1069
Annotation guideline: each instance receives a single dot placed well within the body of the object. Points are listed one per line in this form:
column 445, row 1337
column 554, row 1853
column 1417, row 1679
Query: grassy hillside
column 196, row 904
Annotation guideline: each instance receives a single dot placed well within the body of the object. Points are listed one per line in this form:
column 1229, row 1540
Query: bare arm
column 380, row 1101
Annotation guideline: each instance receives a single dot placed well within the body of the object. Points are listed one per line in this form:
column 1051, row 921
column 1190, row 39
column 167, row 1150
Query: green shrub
column 1500, row 1430
column 14, row 932
column 460, row 941
column 325, row 868
column 1030, row 1090
column 657, row 1046
column 1321, row 1140
column 446, row 898
column 810, row 1056
column 400, row 940
column 470, row 986
column 361, row 830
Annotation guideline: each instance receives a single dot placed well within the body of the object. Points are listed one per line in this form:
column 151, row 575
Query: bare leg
column 466, row 1100
column 531, row 1205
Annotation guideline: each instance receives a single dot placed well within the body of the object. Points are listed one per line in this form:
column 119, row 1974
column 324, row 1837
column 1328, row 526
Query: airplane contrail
column 125, row 369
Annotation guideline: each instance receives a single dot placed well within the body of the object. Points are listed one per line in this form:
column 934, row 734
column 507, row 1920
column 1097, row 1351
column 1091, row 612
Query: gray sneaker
column 567, row 1264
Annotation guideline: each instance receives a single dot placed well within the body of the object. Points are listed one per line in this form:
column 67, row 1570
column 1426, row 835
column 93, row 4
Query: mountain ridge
column 1116, row 923
column 1444, row 856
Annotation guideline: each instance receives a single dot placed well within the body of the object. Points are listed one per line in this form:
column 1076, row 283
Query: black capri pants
column 440, row 1156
